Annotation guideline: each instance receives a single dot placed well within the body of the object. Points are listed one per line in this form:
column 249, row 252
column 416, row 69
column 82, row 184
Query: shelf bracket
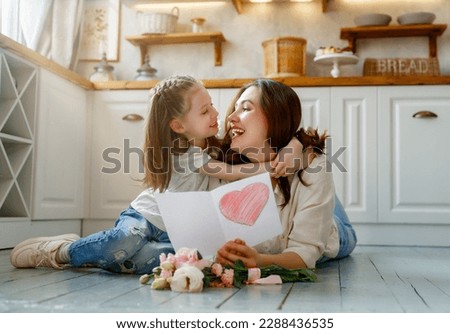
column 324, row 6
column 237, row 5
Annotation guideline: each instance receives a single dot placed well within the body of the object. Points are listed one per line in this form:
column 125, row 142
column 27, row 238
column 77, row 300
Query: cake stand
column 336, row 59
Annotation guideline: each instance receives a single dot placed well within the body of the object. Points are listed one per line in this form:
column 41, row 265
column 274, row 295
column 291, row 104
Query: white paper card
column 243, row 209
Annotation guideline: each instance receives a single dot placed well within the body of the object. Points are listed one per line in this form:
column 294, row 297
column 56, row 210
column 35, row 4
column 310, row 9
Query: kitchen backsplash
column 245, row 32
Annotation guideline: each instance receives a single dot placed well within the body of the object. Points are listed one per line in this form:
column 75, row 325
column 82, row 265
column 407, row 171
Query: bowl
column 372, row 19
column 416, row 18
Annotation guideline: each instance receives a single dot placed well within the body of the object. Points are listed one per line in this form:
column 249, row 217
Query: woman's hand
column 237, row 250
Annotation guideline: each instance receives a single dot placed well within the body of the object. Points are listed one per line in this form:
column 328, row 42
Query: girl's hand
column 289, row 160
column 235, row 250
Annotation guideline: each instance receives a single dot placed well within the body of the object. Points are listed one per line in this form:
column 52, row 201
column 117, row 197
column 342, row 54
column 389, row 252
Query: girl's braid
column 172, row 83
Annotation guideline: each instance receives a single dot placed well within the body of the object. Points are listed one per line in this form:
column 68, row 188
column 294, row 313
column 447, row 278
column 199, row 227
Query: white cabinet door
column 414, row 154
column 353, row 148
column 315, row 107
column 59, row 175
column 118, row 123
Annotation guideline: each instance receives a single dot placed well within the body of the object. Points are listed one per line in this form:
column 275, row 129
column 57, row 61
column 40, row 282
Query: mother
column 265, row 115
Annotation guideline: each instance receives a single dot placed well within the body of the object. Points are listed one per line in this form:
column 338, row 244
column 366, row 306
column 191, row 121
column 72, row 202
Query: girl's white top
column 185, row 177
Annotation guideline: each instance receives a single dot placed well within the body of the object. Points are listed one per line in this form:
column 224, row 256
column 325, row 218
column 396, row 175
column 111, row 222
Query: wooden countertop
column 35, row 58
column 293, row 82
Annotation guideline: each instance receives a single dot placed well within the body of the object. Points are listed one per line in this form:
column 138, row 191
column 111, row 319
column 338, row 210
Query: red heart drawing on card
column 245, row 206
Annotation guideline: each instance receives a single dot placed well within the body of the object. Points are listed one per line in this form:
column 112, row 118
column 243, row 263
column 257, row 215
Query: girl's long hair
column 170, row 99
column 282, row 109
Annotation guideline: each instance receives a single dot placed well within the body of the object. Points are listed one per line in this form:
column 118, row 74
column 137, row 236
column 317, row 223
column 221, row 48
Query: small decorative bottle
column 103, row 71
column 146, row 72
column 197, row 24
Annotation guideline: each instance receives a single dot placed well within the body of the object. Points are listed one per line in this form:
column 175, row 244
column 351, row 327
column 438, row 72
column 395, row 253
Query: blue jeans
column 347, row 235
column 132, row 246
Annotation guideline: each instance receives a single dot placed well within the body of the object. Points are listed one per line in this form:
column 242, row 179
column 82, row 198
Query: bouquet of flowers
column 185, row 271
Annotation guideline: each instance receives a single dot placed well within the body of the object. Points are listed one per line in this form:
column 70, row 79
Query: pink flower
column 217, row 269
column 253, row 274
column 227, row 277
column 184, row 255
column 165, row 273
column 201, row 264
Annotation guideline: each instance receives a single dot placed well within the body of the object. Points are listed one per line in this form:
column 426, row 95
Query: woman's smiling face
column 249, row 128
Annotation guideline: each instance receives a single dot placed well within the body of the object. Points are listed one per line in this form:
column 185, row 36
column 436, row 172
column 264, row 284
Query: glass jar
column 103, row 71
column 197, row 24
column 146, row 72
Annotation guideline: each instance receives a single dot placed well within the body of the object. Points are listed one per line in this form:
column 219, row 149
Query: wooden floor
column 373, row 279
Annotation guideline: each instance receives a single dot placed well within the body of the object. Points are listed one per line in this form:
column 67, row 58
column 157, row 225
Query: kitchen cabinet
column 353, row 150
column 42, row 150
column 315, row 107
column 117, row 138
column 413, row 138
column 18, row 96
column 393, row 184
column 60, row 152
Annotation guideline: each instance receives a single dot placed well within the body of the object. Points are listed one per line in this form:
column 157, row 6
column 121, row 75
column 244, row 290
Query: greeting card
column 242, row 209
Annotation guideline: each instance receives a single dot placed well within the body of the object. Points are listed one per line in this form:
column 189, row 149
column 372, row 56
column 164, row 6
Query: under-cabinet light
column 266, row 1
column 142, row 5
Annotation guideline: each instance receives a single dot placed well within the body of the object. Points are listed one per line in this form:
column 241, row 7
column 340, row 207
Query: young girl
column 180, row 130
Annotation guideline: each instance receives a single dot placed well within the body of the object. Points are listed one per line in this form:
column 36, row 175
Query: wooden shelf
column 143, row 41
column 432, row 31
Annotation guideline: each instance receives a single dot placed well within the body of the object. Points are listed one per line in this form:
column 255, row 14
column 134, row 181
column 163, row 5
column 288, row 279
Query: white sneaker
column 40, row 251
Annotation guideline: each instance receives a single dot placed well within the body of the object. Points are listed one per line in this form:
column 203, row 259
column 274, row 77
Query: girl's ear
column 176, row 126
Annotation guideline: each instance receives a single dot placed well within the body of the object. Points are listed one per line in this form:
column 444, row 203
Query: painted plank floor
column 372, row 279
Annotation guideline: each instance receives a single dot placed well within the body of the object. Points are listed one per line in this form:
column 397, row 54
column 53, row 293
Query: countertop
column 35, row 58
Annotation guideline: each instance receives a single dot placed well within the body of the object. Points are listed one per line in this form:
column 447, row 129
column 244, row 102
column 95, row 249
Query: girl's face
column 201, row 120
column 249, row 127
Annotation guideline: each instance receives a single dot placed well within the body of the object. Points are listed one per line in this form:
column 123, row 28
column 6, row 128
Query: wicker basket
column 284, row 56
column 401, row 67
column 158, row 23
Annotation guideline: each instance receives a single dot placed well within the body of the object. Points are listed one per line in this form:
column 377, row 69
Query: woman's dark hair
column 282, row 108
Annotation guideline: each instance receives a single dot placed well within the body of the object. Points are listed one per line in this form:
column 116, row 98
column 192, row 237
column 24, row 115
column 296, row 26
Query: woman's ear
column 176, row 126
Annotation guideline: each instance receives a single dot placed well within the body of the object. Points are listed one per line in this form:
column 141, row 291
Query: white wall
column 243, row 52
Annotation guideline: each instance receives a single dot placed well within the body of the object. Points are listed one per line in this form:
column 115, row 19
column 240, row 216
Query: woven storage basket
column 401, row 67
column 284, row 56
column 158, row 23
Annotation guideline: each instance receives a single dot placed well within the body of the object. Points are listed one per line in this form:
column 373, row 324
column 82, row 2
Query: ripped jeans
column 132, row 246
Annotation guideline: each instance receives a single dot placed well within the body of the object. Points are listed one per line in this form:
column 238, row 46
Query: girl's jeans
column 347, row 235
column 132, row 246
